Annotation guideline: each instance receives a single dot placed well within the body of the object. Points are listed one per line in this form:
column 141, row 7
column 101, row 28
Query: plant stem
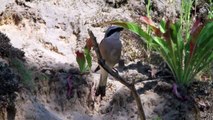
column 148, row 10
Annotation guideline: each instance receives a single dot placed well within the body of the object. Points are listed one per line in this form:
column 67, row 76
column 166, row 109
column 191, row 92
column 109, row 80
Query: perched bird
column 110, row 48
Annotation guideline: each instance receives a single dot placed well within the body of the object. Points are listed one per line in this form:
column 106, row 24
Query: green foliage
column 88, row 57
column 148, row 8
column 185, row 57
column 42, row 76
column 25, row 74
column 157, row 118
column 210, row 12
column 185, row 16
column 81, row 60
column 148, row 12
column 84, row 58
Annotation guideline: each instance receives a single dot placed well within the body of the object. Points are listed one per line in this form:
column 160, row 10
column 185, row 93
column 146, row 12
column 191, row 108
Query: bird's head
column 112, row 29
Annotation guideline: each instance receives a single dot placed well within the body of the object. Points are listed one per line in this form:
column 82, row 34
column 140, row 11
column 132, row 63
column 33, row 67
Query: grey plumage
column 110, row 48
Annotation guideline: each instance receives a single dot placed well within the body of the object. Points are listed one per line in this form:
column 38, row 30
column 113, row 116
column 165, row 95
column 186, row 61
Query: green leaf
column 162, row 26
column 88, row 57
column 81, row 61
column 134, row 28
column 162, row 44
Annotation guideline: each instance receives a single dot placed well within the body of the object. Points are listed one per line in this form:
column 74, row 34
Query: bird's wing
column 110, row 49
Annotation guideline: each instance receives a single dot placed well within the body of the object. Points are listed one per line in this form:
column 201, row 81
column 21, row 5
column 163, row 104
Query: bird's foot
column 69, row 86
column 115, row 70
column 101, row 91
column 179, row 92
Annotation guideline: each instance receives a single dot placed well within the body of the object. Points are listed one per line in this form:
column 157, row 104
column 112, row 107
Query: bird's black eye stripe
column 113, row 31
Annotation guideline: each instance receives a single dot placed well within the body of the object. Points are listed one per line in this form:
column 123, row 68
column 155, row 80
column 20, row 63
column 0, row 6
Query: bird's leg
column 69, row 86
column 101, row 90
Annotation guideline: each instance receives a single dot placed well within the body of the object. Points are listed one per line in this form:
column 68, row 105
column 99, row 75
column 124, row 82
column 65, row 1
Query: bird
column 110, row 49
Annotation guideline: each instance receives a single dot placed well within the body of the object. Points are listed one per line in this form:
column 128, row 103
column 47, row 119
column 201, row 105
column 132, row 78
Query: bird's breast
column 111, row 51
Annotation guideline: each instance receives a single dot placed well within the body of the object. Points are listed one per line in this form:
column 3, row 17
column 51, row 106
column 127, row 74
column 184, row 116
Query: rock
column 78, row 116
column 9, row 80
column 4, row 4
column 116, row 3
column 9, row 85
column 6, row 50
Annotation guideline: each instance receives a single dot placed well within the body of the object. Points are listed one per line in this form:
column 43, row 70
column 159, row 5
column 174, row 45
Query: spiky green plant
column 25, row 74
column 185, row 57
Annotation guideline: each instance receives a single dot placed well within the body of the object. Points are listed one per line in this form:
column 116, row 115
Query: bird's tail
column 101, row 90
column 97, row 69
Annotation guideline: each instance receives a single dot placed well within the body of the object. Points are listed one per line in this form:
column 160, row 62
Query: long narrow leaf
column 133, row 27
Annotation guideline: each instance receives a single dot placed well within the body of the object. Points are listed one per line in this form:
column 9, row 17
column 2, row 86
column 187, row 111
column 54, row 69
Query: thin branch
column 117, row 76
